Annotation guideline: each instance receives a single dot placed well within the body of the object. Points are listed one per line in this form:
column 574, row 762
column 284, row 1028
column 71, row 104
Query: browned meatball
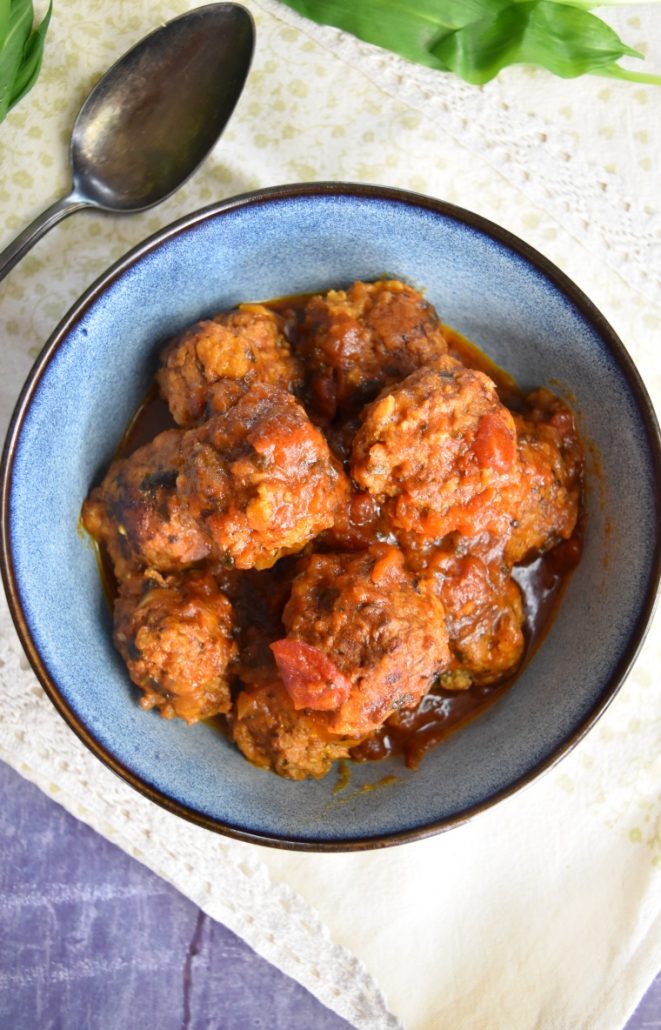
column 137, row 514
column 484, row 614
column 545, row 503
column 355, row 342
column 439, row 447
column 176, row 639
column 259, row 478
column 246, row 345
column 364, row 638
column 270, row 733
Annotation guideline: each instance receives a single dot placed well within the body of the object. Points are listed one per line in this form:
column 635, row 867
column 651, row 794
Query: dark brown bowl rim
column 321, row 189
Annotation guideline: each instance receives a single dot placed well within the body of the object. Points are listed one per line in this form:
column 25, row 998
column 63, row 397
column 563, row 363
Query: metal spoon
column 152, row 118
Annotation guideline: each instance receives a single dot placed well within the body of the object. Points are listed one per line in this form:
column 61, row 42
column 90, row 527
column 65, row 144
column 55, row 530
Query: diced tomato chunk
column 495, row 443
column 311, row 679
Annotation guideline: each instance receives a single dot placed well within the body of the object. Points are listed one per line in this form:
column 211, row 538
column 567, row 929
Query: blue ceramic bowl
column 95, row 371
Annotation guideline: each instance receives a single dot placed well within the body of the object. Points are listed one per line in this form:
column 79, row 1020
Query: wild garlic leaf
column 11, row 48
column 21, row 49
column 566, row 40
column 5, row 9
column 408, row 27
column 32, row 57
column 476, row 39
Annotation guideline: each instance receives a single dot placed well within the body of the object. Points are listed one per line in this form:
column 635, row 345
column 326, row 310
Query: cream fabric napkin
column 546, row 911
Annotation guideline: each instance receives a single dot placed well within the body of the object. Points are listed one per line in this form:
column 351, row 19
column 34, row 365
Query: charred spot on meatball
column 138, row 515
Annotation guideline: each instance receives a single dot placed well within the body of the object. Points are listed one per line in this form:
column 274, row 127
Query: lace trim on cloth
column 224, row 878
column 529, row 152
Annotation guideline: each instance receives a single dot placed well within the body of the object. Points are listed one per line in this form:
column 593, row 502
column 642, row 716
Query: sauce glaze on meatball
column 484, row 617
column 272, row 734
column 352, row 343
column 545, row 502
column 439, row 447
column 246, row 346
column 175, row 634
column 259, row 478
column 364, row 638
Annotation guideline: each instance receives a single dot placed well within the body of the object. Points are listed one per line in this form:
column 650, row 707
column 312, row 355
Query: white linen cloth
column 545, row 911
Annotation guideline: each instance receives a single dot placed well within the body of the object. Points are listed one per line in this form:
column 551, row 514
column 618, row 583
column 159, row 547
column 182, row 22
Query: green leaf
column 476, row 39
column 566, row 40
column 20, row 22
column 408, row 27
column 32, row 57
column 404, row 27
column 21, row 50
column 5, row 10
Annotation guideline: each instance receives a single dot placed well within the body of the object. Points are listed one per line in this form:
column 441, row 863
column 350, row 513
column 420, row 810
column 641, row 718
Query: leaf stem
column 614, row 71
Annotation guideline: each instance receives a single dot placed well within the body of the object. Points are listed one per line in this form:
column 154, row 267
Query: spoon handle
column 42, row 223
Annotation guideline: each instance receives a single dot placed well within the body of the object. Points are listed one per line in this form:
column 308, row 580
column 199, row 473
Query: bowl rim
column 255, row 198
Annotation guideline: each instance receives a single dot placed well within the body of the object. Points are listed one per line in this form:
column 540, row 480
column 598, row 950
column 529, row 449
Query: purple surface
column 89, row 938
column 92, row 939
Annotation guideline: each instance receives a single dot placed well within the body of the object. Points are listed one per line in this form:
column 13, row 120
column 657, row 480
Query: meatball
column 355, row 342
column 176, row 639
column 271, row 734
column 259, row 478
column 440, row 448
column 484, row 613
column 246, row 345
column 545, row 502
column 364, row 638
column 137, row 514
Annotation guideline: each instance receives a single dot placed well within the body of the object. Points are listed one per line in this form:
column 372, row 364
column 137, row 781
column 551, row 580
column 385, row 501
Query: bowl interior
column 95, row 372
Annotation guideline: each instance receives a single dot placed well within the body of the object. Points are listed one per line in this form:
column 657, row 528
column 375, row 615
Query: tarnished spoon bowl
column 152, row 118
